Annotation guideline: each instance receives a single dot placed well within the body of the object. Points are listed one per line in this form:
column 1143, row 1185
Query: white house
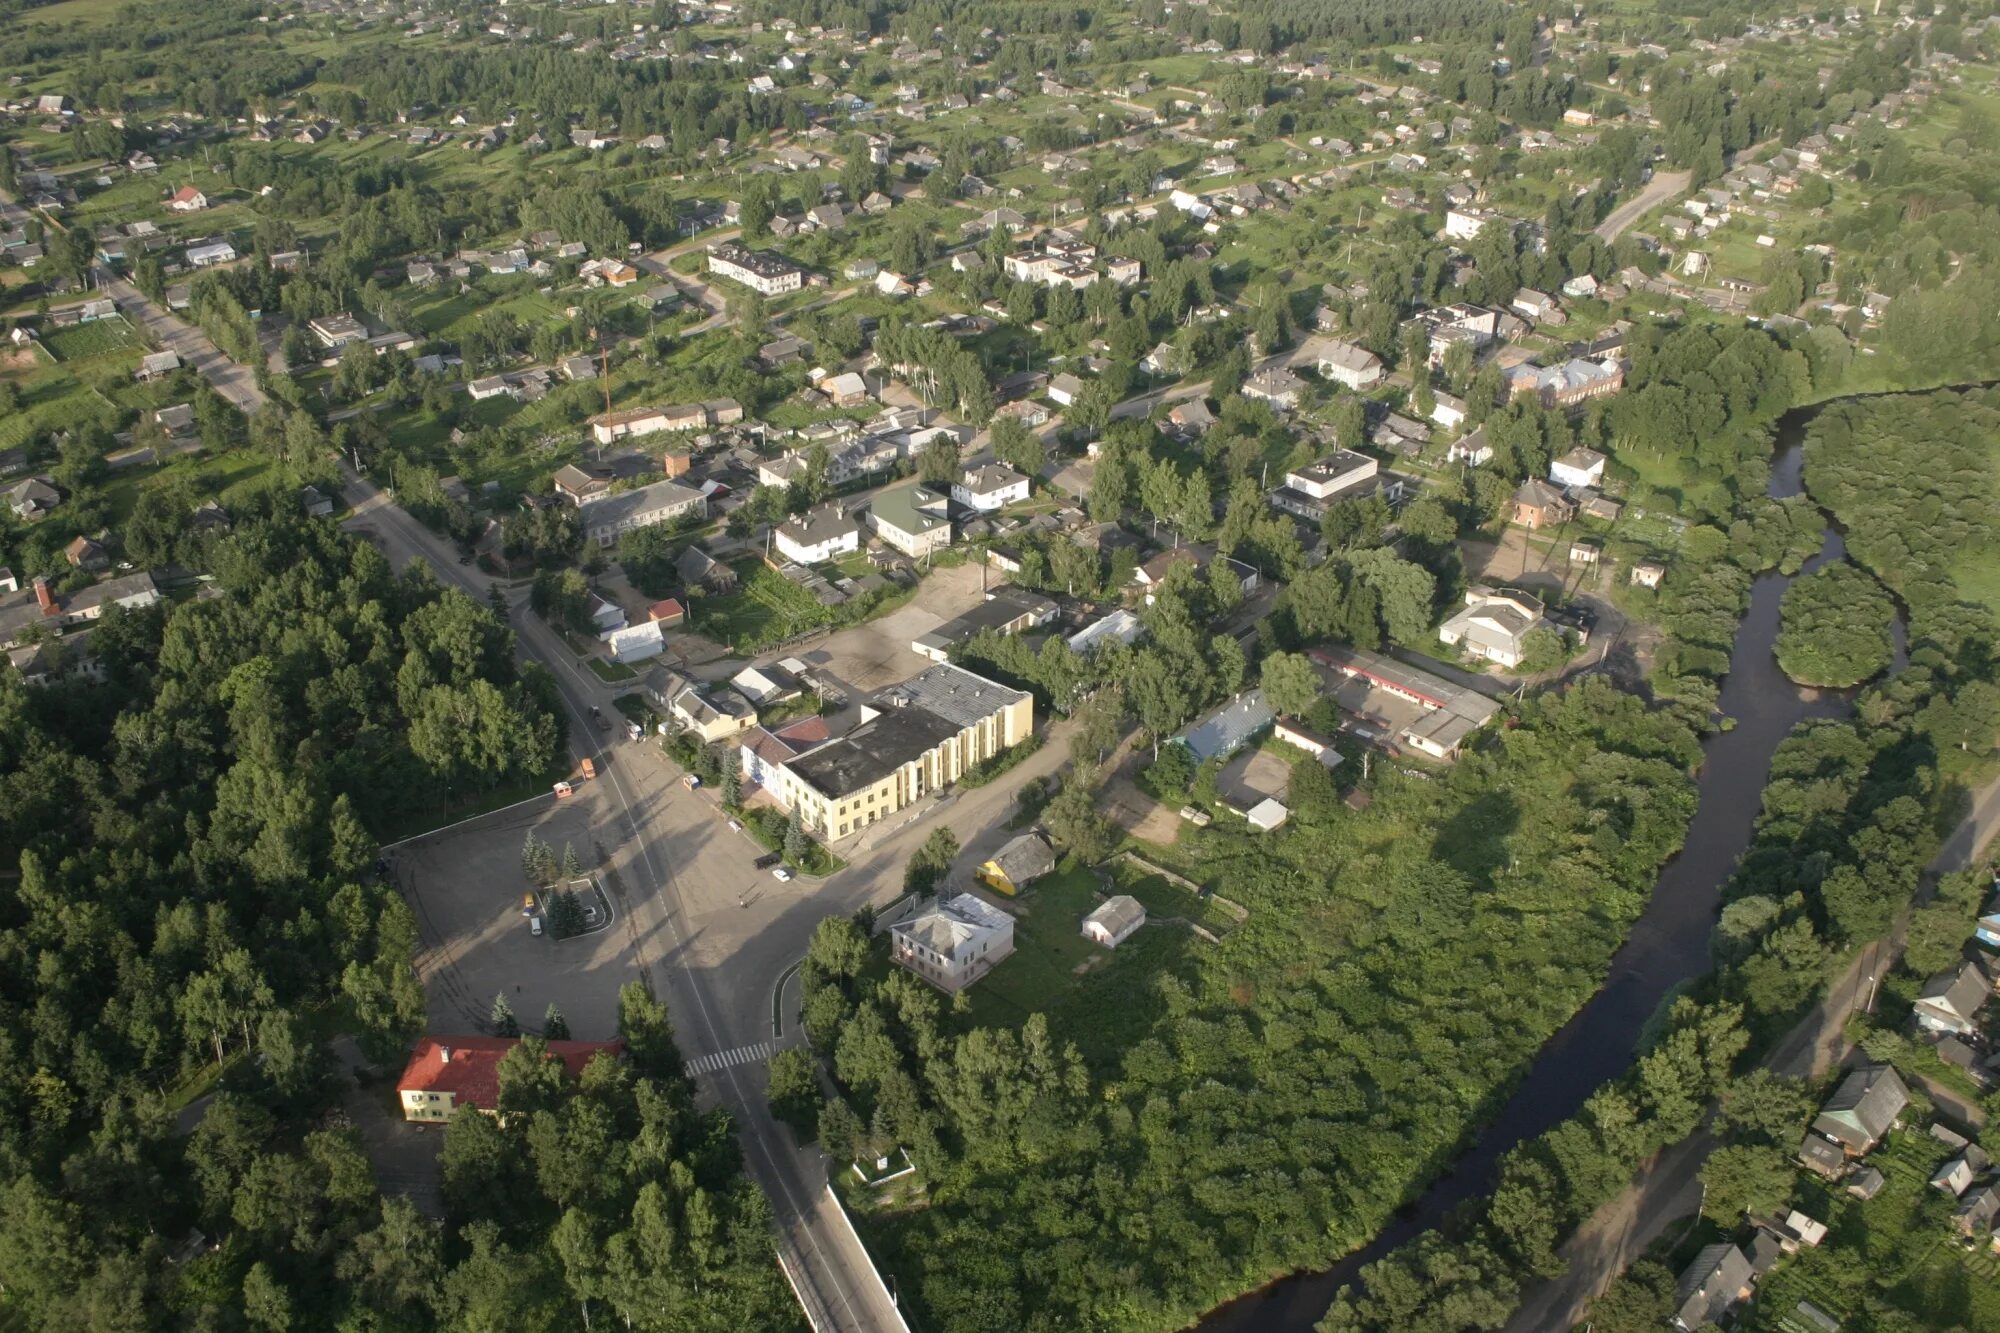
column 1344, row 363
column 818, row 535
column 635, row 643
column 1494, row 625
column 1114, row 921
column 1578, row 467
column 911, row 519
column 955, row 943
column 990, row 486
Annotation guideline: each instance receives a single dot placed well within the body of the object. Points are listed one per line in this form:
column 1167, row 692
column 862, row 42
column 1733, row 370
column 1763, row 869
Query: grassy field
column 1100, row 999
column 84, row 342
column 765, row 609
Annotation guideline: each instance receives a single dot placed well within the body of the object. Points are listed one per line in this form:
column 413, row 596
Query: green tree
column 1291, row 683
column 554, row 1026
column 501, row 1019
column 929, row 863
column 1740, row 1178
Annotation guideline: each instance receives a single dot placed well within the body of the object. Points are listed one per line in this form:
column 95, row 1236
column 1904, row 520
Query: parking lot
column 877, row 654
column 1252, row 776
column 466, row 886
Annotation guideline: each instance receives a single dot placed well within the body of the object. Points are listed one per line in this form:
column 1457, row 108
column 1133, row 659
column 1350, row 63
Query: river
column 1667, row 948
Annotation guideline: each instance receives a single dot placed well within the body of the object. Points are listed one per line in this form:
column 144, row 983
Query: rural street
column 171, row 333
column 1664, row 186
column 1668, row 1188
column 834, row 1276
column 712, row 934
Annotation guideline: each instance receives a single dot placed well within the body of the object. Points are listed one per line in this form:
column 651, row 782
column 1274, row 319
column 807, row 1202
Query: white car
column 535, row 926
column 782, row 874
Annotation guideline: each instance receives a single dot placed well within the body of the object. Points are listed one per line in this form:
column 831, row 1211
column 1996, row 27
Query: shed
column 1266, row 815
column 1114, row 921
column 1018, row 864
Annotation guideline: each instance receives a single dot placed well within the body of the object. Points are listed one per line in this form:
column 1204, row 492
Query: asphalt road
column 710, row 933
column 1664, row 186
column 234, row 382
column 1668, row 1189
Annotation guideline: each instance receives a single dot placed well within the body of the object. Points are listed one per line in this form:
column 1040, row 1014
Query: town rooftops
column 1228, row 728
column 610, row 510
column 990, row 477
column 906, row 508
column 827, row 523
column 872, row 751
column 952, row 693
column 1863, row 1107
column 1003, row 606
column 468, row 1067
column 1025, row 858
column 764, row 263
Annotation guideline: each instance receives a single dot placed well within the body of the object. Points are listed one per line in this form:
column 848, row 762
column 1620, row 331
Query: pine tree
column 732, row 784
column 531, row 855
column 796, row 841
column 571, row 867
column 554, row 1026
column 502, row 1017
column 496, row 597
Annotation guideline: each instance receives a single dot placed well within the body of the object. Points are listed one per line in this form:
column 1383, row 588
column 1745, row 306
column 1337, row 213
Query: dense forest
column 190, row 846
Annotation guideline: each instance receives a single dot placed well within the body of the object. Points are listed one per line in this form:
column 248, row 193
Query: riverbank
column 1666, row 952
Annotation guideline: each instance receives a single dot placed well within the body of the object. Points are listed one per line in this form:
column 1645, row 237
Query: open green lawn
column 228, row 477
column 1103, row 1009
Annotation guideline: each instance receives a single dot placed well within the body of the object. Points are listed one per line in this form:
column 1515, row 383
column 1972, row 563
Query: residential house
column 635, row 643
column 1536, row 307
column 1448, row 412
column 1310, row 491
column 1345, row 363
column 696, row 568
column 1114, row 921
column 663, row 501
column 32, row 500
column 1951, row 1000
column 1540, row 505
column 631, row 422
column 154, row 365
column 1493, row 626
column 764, row 271
column 914, row 738
column 990, row 487
column 315, row 502
column 1018, row 864
column 1065, row 389
column 818, row 535
column 1719, row 1277
column 911, row 519
column 1648, row 573
column 187, row 199
column 953, row 944
column 1201, row 557
column 1578, row 467
column 1862, row 1109
column 577, row 486
column 445, row 1074
column 87, row 554
column 1274, row 385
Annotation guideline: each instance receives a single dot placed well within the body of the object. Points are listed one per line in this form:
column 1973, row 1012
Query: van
column 535, row 926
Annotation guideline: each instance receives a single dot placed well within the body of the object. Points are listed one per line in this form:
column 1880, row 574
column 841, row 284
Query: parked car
column 783, row 874
column 527, row 904
column 602, row 722
column 535, row 926
column 735, row 826
column 690, row 782
column 768, row 859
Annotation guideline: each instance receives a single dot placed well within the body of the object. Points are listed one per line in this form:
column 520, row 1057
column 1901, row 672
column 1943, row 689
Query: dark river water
column 1668, row 945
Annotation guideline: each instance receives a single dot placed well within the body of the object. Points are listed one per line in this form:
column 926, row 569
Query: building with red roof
column 668, row 612
column 446, row 1073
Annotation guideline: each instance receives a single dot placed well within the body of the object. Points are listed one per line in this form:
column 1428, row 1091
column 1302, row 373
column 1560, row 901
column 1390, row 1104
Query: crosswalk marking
column 742, row 1055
